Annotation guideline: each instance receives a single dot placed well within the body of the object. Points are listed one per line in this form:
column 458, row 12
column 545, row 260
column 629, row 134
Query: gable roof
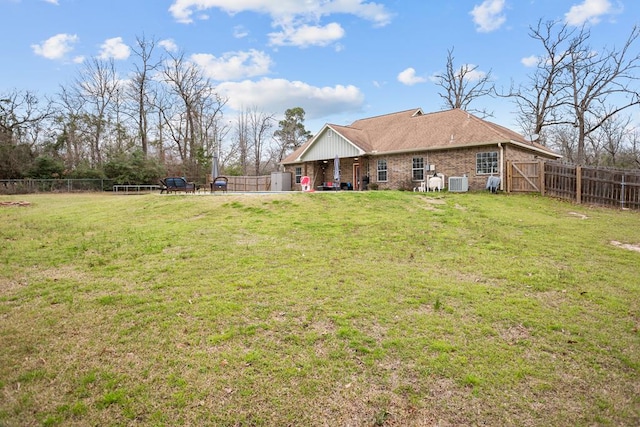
column 412, row 130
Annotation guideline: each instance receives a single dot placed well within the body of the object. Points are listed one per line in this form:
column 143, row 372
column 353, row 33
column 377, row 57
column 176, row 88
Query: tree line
column 579, row 100
column 167, row 117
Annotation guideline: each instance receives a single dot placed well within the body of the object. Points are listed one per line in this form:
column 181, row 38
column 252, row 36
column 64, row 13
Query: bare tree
column 634, row 148
column 540, row 102
column 140, row 87
column 611, row 138
column 18, row 112
column 21, row 118
column 260, row 125
column 563, row 139
column 210, row 121
column 120, row 139
column 97, row 87
column 464, row 85
column 577, row 85
column 71, row 132
column 242, row 141
column 601, row 85
column 191, row 98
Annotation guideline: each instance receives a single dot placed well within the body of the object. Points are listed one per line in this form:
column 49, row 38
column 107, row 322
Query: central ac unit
column 458, row 184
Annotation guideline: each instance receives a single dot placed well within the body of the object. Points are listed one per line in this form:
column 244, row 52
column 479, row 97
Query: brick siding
column 399, row 166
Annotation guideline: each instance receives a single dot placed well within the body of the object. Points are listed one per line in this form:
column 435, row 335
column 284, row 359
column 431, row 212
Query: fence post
column 622, row 193
column 579, row 184
column 541, row 173
column 509, row 176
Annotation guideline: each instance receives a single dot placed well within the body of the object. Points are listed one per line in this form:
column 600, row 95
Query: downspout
column 501, row 165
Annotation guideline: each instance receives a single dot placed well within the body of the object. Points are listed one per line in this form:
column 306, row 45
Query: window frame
column 380, row 170
column 487, row 163
column 417, row 172
column 298, row 174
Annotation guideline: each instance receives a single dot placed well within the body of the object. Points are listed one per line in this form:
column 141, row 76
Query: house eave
column 463, row 146
column 446, row 148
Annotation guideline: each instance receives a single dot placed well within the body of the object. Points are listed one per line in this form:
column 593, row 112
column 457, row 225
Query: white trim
column 324, row 129
column 461, row 146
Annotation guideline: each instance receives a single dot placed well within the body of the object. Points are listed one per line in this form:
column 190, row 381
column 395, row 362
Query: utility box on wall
column 280, row 181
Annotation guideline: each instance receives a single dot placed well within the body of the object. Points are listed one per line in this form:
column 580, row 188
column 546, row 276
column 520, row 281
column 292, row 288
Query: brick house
column 399, row 150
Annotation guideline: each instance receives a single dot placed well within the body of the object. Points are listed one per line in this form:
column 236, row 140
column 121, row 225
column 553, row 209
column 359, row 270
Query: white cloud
column 54, row 2
column 114, row 48
column 409, row 78
column 233, row 65
column 488, row 16
column 240, row 32
column 276, row 95
column 530, row 61
column 307, row 35
column 298, row 20
column 56, row 47
column 589, row 11
column 471, row 74
column 182, row 10
column 169, row 45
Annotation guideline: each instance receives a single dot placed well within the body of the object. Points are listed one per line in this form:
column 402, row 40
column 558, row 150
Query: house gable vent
column 458, row 184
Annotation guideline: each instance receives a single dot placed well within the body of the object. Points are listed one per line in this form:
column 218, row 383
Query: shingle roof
column 412, row 130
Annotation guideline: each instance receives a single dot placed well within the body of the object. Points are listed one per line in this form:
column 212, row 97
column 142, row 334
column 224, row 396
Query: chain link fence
column 26, row 186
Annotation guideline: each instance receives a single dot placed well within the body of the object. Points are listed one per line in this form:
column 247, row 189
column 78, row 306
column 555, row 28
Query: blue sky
column 340, row 60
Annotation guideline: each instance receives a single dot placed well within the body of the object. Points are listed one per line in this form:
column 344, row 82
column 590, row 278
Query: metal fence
column 25, row 186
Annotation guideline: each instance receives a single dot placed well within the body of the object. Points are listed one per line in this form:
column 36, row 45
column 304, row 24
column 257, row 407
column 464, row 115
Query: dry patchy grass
column 353, row 309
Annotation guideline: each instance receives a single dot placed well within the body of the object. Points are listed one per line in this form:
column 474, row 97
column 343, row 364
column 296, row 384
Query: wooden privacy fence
column 581, row 184
column 249, row 183
column 525, row 177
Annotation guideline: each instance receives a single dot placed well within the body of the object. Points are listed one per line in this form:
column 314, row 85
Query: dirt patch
column 635, row 248
column 579, row 215
column 515, row 334
column 15, row 203
column 11, row 285
column 434, row 201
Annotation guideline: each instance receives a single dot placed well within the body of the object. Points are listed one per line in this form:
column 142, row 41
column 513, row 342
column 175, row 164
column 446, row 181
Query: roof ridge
column 389, row 114
column 493, row 127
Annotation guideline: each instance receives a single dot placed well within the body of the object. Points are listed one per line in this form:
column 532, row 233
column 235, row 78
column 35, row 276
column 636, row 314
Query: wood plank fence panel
column 249, row 183
column 560, row 180
column 525, row 176
column 598, row 186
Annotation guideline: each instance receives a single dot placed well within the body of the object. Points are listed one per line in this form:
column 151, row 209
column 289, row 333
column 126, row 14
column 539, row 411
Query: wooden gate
column 525, row 177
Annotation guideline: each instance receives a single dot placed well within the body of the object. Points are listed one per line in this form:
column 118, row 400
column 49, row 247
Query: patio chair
column 220, row 184
column 163, row 186
column 177, row 183
column 436, row 182
column 493, row 184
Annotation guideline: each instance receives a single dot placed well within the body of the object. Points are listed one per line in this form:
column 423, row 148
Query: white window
column 417, row 170
column 487, row 163
column 298, row 175
column 382, row 170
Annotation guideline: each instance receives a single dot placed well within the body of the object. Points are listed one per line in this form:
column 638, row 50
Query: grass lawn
column 326, row 309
